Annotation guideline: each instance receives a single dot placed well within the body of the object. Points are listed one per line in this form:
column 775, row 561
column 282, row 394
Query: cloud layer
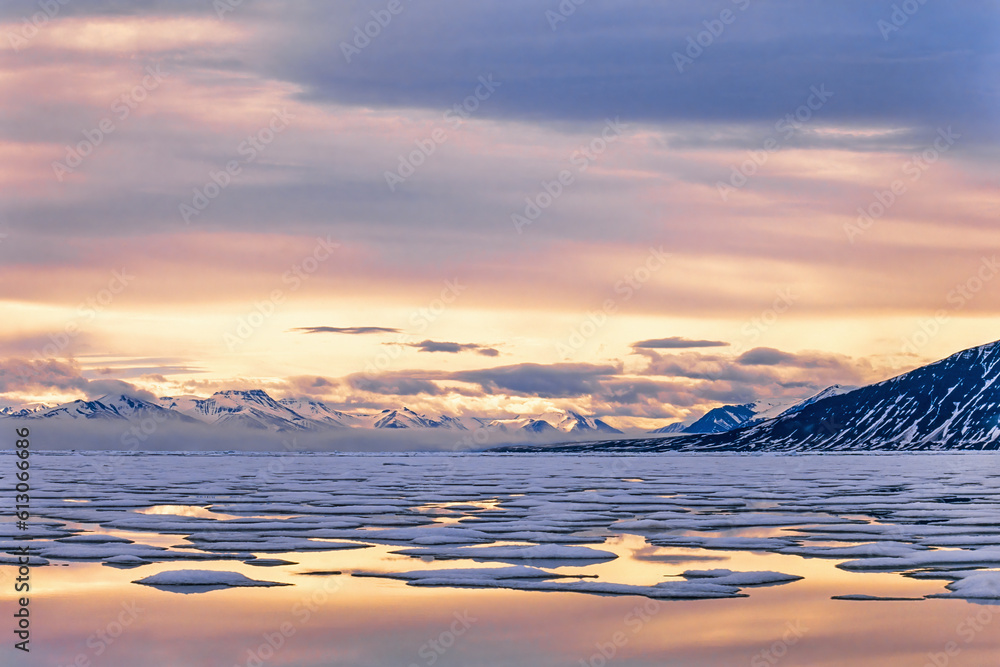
column 201, row 188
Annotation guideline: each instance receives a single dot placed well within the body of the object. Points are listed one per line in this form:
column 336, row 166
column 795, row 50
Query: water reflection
column 344, row 620
column 86, row 613
column 186, row 510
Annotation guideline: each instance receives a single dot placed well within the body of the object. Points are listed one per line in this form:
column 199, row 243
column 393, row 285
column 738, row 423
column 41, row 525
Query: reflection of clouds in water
column 652, row 554
column 185, row 510
column 822, row 504
column 491, row 509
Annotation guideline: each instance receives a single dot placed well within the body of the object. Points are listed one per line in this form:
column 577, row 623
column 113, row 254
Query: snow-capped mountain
column 950, row 404
column 574, row 422
column 109, row 408
column 24, row 410
column 407, row 418
column 257, row 410
column 252, row 408
column 722, row 419
column 729, row 417
column 833, row 390
column 320, row 412
column 550, row 422
column 953, row 403
column 538, row 426
column 676, row 427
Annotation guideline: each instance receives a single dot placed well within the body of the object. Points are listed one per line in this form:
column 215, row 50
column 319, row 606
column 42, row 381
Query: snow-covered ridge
column 729, row 417
column 950, row 404
column 256, row 409
column 23, row 410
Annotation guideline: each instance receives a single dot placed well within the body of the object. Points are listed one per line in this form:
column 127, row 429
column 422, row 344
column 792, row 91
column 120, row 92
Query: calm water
column 87, row 613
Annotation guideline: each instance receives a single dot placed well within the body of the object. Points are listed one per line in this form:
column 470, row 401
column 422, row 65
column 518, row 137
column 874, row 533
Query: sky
column 639, row 210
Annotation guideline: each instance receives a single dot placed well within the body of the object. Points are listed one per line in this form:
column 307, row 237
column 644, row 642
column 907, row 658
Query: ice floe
column 547, row 552
column 874, row 598
column 730, row 578
column 929, row 517
column 707, row 584
column 201, row 580
column 976, row 586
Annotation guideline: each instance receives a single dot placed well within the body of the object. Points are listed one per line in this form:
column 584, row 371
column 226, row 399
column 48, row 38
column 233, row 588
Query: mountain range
column 256, row 409
column 729, row 417
column 950, row 404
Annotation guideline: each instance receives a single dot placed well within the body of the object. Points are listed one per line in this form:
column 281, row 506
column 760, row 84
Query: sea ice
column 200, row 578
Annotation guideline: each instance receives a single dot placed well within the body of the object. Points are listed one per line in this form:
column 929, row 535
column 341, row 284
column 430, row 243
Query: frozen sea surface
column 510, row 560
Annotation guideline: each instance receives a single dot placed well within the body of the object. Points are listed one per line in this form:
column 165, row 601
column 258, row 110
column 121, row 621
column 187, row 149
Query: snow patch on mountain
column 950, row 404
column 252, row 408
column 109, row 408
column 320, row 412
column 256, row 409
column 729, row 417
column 676, row 427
